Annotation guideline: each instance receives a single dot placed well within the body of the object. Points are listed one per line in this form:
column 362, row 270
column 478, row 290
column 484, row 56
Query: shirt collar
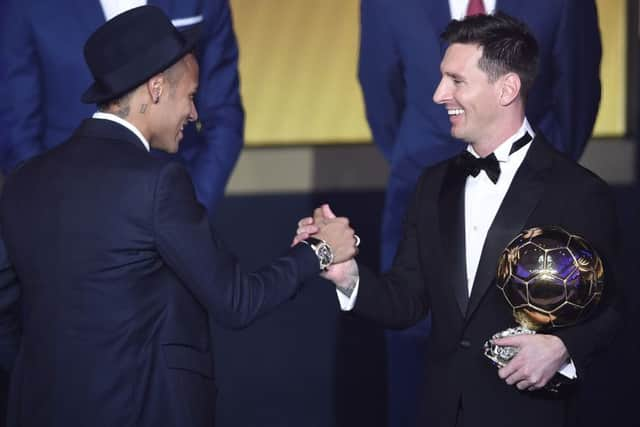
column 503, row 150
column 112, row 117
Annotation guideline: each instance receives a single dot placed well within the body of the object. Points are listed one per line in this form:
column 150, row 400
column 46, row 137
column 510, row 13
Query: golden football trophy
column 551, row 279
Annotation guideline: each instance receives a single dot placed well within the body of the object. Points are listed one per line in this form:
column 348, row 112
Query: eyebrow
column 453, row 75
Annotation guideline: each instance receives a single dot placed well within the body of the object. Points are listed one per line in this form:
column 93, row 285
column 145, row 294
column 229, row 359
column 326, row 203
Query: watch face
column 324, row 255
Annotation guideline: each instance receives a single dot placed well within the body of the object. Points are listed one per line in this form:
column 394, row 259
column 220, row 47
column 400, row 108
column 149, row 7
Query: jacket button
column 465, row 344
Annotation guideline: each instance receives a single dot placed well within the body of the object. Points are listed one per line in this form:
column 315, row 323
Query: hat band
column 155, row 59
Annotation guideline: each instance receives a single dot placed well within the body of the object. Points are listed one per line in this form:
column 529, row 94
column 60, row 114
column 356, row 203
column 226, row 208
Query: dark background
column 307, row 364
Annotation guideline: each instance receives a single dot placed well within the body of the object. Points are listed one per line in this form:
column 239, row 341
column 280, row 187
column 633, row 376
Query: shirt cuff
column 347, row 303
column 568, row 370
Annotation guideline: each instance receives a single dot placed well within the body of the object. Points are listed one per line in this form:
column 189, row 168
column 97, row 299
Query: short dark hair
column 507, row 46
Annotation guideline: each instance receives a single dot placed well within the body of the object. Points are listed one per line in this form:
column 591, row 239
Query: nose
column 193, row 114
column 441, row 95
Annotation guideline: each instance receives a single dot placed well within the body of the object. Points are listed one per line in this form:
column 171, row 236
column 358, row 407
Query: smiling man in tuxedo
column 398, row 70
column 464, row 213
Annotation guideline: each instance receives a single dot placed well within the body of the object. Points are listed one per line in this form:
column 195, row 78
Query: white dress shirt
column 482, row 198
column 459, row 8
column 112, row 8
column 112, row 117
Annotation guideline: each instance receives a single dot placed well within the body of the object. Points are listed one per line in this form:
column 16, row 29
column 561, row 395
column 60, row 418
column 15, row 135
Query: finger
column 510, row 368
column 318, row 215
column 516, row 378
column 305, row 221
column 524, row 385
column 327, row 212
column 307, row 229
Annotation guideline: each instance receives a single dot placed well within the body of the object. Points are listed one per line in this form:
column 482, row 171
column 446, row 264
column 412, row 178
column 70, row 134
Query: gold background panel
column 298, row 65
column 298, row 71
column 611, row 121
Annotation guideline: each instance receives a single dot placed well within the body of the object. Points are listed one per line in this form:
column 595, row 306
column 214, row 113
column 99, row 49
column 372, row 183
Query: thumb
column 327, row 212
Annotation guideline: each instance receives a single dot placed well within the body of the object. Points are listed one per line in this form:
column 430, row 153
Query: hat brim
column 98, row 94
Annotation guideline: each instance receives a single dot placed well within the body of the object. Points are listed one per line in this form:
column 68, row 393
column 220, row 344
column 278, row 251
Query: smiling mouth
column 455, row 111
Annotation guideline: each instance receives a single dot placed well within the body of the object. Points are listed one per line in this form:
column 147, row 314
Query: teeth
column 455, row 111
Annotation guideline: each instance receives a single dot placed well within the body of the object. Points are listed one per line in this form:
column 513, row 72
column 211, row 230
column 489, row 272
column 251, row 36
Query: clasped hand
column 336, row 231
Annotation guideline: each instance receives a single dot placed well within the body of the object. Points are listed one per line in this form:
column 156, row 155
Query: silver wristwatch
column 323, row 251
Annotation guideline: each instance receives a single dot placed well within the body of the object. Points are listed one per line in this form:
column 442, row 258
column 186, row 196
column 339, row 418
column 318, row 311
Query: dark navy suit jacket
column 43, row 74
column 119, row 271
column 400, row 55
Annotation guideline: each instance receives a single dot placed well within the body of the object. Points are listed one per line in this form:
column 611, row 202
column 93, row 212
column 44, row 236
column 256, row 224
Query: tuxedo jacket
column 43, row 74
column 119, row 271
column 399, row 70
column 429, row 273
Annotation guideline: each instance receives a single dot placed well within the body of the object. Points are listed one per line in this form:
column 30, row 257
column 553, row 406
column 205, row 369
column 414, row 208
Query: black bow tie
column 471, row 165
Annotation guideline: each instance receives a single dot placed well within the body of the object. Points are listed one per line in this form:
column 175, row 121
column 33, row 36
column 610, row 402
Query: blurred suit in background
column 42, row 69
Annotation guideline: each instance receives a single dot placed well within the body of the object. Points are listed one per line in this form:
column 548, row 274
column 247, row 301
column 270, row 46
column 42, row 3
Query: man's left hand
column 538, row 359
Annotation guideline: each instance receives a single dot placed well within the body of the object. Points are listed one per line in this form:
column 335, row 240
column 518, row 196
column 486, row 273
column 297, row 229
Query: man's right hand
column 344, row 274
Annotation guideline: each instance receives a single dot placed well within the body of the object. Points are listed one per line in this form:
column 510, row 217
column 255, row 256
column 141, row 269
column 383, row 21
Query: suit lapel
column 90, row 13
column 523, row 196
column 451, row 213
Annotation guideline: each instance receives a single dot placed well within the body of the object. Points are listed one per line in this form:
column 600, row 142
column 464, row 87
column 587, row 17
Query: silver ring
column 355, row 236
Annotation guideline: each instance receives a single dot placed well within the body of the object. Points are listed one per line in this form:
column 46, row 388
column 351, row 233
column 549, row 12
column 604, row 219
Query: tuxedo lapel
column 523, row 196
column 451, row 213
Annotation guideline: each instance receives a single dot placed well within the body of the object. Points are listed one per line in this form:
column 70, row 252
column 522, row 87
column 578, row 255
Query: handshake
column 342, row 243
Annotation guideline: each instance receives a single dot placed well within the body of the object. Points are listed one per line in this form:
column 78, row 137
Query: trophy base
column 501, row 355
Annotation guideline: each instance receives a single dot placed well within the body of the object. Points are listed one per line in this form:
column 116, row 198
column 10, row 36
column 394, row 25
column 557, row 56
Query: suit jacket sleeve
column 186, row 243
column 20, row 82
column 219, row 106
column 380, row 75
column 9, row 311
column 399, row 298
column 576, row 85
column 599, row 226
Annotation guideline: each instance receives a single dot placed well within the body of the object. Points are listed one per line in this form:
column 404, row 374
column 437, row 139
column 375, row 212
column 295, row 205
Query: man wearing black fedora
column 118, row 266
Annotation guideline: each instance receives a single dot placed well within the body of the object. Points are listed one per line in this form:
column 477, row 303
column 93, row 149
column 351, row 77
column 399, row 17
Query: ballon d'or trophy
column 551, row 279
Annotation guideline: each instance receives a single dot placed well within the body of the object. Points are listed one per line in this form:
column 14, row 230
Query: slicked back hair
column 507, row 46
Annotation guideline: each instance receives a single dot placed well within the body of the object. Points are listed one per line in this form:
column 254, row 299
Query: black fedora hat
column 129, row 49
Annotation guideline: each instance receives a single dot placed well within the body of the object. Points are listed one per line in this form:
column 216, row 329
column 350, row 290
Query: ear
column 509, row 89
column 155, row 86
